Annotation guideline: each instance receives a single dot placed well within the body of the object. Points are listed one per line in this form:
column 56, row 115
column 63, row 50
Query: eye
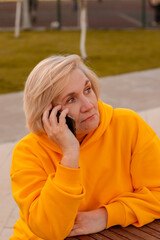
column 70, row 100
column 88, row 90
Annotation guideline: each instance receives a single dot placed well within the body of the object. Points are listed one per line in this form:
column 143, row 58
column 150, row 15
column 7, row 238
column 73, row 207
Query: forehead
column 77, row 76
column 76, row 80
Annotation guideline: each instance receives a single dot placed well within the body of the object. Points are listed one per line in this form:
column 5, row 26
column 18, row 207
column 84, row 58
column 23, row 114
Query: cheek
column 95, row 102
column 74, row 112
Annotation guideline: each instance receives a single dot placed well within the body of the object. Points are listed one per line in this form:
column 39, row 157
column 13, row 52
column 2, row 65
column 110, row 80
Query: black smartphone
column 69, row 121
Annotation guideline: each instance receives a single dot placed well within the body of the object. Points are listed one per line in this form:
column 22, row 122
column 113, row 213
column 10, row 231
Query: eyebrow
column 73, row 93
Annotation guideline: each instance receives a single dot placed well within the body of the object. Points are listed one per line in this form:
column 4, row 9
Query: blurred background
column 112, row 36
column 102, row 14
column 118, row 39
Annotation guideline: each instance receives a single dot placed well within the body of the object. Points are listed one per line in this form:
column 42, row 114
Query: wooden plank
column 112, row 235
column 98, row 236
column 85, row 237
column 157, row 221
column 140, row 233
column 124, row 233
column 71, row 238
column 155, row 226
column 151, row 231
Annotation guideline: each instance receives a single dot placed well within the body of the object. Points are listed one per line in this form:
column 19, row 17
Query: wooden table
column 150, row 231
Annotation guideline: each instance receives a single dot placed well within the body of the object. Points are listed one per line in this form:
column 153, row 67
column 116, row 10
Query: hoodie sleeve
column 143, row 204
column 48, row 203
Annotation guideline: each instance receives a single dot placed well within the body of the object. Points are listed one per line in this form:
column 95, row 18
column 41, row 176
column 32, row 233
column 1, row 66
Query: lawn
column 109, row 52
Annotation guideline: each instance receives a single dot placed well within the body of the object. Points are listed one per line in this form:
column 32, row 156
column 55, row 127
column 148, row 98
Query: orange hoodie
column 119, row 169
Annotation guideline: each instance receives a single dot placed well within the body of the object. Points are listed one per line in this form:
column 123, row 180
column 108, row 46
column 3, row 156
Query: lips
column 89, row 118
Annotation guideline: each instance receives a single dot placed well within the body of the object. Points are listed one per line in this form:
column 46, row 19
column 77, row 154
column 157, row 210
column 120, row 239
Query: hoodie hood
column 106, row 113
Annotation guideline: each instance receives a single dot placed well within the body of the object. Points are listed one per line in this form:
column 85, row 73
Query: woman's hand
column 60, row 134
column 89, row 222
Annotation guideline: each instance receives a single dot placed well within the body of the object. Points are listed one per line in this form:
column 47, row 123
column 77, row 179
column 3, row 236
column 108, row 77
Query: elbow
column 48, row 230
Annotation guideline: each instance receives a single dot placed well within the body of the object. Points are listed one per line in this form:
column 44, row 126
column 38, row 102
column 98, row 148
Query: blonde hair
column 45, row 83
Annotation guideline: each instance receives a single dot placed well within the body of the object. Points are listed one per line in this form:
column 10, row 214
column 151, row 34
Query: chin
column 88, row 127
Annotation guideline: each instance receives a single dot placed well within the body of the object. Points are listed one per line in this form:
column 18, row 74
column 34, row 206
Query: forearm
column 137, row 208
column 51, row 207
column 53, row 217
column 59, row 201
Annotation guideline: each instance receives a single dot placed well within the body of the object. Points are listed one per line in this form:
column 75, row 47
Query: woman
column 65, row 185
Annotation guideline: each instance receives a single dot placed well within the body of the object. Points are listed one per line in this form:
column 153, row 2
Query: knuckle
column 53, row 132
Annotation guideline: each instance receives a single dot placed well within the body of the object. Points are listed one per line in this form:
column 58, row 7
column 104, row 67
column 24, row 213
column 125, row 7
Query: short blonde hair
column 46, row 81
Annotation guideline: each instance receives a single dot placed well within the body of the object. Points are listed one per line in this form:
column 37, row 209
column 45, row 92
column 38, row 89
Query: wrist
column 71, row 160
column 71, row 149
column 104, row 215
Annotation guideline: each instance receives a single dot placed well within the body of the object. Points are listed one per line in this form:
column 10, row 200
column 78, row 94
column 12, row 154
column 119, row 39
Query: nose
column 86, row 105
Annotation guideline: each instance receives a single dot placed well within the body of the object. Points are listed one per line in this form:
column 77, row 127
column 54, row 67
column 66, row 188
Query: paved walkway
column 139, row 91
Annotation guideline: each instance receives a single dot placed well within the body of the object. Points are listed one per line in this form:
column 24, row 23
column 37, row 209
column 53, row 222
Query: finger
column 75, row 226
column 45, row 115
column 62, row 118
column 46, row 111
column 53, row 116
column 72, row 233
column 75, row 232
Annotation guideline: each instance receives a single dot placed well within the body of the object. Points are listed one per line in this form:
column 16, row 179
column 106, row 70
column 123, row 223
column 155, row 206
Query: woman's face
column 81, row 101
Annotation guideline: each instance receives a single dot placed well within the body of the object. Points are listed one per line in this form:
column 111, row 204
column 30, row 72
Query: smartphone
column 69, row 121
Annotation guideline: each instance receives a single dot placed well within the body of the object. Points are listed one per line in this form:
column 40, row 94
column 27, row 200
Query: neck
column 81, row 136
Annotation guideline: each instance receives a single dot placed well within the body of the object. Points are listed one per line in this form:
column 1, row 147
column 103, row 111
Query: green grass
column 109, row 52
